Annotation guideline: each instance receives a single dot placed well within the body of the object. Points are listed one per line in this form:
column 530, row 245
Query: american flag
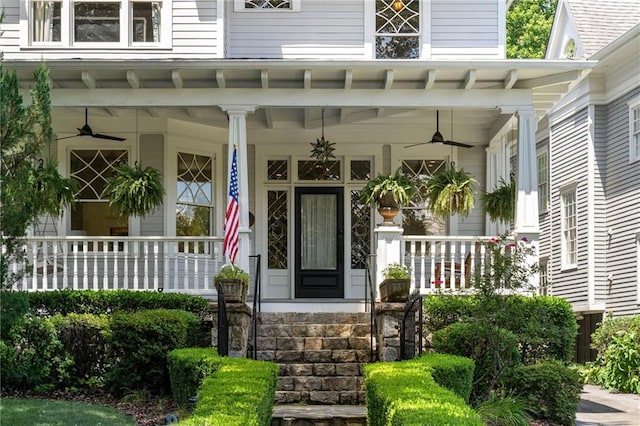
column 232, row 218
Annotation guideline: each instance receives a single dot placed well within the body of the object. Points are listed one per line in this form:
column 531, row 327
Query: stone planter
column 396, row 290
column 235, row 291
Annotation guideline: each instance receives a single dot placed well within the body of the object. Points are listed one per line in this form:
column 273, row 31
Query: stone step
column 325, row 415
column 313, row 318
column 320, row 397
column 321, row 369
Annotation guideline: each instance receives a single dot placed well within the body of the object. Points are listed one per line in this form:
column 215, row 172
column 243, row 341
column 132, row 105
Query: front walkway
column 602, row 407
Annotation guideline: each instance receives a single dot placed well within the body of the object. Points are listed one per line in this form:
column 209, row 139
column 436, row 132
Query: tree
column 29, row 186
column 528, row 28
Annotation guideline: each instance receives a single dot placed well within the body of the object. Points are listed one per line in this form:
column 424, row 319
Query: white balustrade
column 185, row 264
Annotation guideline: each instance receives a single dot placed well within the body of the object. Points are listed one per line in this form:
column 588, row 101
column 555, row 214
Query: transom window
column 569, row 228
column 266, row 5
column 634, row 130
column 69, row 22
column 397, row 29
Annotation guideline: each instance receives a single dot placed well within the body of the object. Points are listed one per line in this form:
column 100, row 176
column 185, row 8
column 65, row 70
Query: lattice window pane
column 278, row 170
column 397, row 32
column 277, row 229
column 360, row 231
column 313, row 170
column 194, row 194
column 417, row 219
column 91, row 168
column 267, row 4
column 360, row 170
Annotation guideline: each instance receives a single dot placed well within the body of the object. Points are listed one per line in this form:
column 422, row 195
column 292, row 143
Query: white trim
column 591, row 209
column 502, row 29
column 220, row 24
column 369, row 30
column 634, row 145
column 239, row 6
column 425, row 28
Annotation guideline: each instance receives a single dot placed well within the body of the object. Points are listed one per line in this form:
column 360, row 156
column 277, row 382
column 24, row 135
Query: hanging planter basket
column 134, row 191
column 500, row 204
column 450, row 191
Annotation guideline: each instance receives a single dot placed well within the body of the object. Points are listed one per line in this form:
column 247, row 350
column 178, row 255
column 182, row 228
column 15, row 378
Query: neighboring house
column 589, row 166
column 182, row 80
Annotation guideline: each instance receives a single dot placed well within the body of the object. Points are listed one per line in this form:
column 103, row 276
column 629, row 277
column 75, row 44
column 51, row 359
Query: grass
column 43, row 412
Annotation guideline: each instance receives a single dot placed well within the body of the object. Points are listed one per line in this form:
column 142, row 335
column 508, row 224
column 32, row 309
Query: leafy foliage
column 500, row 204
column 26, row 133
column 232, row 272
column 528, row 27
column 401, row 187
column 450, row 191
column 188, row 368
column 551, row 389
column 504, row 410
column 396, row 271
column 134, row 191
column 13, row 306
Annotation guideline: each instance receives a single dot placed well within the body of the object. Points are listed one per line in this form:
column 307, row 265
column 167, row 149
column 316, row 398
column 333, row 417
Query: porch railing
column 443, row 263
column 172, row 264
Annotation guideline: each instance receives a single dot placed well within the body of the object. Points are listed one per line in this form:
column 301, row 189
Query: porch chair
column 457, row 269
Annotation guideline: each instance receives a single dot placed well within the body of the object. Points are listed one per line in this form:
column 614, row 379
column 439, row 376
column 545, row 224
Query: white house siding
column 545, row 218
column 473, row 162
column 569, row 140
column 152, row 154
column 194, row 34
column 465, row 28
column 599, row 205
column 623, row 209
column 321, row 29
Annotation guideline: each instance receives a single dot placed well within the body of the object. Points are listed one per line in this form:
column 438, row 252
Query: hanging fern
column 500, row 204
column 450, row 191
column 400, row 186
column 134, row 191
column 54, row 192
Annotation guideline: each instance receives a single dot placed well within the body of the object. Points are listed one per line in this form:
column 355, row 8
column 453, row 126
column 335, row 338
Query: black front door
column 319, row 242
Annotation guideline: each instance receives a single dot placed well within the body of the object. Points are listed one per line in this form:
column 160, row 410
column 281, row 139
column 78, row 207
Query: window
column 634, row 130
column 417, row 219
column 90, row 214
column 569, row 226
column 397, row 29
column 543, row 181
column 116, row 22
column 544, row 289
column 570, row 49
column 194, row 204
column 278, row 229
column 638, row 268
column 266, row 5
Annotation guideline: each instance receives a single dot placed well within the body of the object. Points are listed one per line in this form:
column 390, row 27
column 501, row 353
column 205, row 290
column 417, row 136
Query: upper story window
column 112, row 22
column 397, row 29
column 543, row 181
column 569, row 227
column 274, row 5
column 634, row 130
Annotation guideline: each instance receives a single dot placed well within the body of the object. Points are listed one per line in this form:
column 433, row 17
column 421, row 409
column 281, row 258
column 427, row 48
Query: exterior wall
column 599, row 205
column 152, row 152
column 473, row 161
column 568, row 164
column 195, row 32
column 544, row 218
column 623, row 217
column 464, row 28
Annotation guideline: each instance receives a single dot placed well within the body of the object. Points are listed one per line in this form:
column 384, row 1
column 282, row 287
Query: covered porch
column 182, row 118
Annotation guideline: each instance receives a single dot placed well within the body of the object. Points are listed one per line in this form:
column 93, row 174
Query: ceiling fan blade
column 415, row 144
column 459, row 144
column 69, row 137
column 109, row 137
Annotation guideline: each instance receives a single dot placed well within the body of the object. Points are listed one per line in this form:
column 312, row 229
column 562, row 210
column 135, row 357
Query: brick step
column 326, row 415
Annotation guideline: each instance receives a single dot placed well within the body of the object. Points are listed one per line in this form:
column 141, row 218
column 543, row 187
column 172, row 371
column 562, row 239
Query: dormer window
column 397, row 29
column 108, row 22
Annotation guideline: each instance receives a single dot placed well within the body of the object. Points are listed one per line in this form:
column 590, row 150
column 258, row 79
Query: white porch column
column 388, row 250
column 238, row 137
column 526, row 220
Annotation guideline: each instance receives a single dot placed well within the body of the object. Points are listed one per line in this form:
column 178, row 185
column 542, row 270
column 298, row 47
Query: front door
column 319, row 242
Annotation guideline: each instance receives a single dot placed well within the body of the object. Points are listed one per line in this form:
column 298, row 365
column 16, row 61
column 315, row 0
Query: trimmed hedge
column 240, row 392
column 188, row 368
column 139, row 345
column 406, row 393
column 451, row 372
column 49, row 303
column 550, row 389
column 13, row 306
column 545, row 326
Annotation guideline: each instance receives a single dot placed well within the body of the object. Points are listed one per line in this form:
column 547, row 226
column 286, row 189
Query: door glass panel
column 277, row 230
column 319, row 231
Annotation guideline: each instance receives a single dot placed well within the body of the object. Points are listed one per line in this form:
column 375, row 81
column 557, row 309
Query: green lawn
column 43, row 412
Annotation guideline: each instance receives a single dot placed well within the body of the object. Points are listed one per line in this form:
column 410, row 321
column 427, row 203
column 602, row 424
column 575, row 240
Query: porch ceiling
column 291, row 94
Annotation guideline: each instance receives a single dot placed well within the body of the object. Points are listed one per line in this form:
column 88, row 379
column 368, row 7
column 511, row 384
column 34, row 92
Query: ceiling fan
column 86, row 130
column 437, row 137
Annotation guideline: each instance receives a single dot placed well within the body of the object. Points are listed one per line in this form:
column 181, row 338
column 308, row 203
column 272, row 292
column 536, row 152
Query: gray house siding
column 152, row 150
column 623, row 210
column 569, row 141
column 545, row 220
column 599, row 205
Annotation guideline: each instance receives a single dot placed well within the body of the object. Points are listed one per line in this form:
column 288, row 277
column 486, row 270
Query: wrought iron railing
column 409, row 328
column 370, row 304
column 256, row 306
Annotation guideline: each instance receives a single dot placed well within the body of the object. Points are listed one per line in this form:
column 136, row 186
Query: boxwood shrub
column 139, row 345
column 405, row 393
column 240, row 392
column 188, row 368
column 451, row 372
column 551, row 389
column 49, row 303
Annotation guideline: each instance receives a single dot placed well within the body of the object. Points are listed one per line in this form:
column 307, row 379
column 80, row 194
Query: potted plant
column 134, row 191
column 396, row 283
column 234, row 282
column 500, row 204
column 389, row 193
column 450, row 191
